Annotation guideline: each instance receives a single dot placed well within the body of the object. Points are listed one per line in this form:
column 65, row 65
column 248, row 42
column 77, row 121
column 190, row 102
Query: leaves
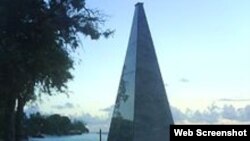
column 54, row 125
column 36, row 39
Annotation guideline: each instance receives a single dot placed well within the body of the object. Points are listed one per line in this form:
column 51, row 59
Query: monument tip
column 139, row 4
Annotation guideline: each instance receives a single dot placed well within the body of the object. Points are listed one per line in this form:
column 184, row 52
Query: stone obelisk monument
column 142, row 111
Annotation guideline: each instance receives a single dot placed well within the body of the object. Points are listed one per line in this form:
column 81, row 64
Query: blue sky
column 203, row 49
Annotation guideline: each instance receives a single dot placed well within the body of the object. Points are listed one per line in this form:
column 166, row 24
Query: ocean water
column 83, row 137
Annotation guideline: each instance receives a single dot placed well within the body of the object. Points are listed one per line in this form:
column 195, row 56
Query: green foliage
column 53, row 125
column 35, row 124
column 56, row 124
column 79, row 126
column 36, row 39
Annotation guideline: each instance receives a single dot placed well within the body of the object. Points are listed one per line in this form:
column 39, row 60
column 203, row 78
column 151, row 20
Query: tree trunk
column 19, row 119
column 9, row 119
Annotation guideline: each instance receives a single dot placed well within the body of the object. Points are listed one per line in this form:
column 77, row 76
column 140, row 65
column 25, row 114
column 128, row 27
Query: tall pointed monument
column 142, row 111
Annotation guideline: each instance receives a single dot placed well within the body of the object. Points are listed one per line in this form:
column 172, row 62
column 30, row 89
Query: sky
column 203, row 49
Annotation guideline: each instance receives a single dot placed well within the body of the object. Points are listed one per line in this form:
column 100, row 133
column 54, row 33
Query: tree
column 79, row 126
column 35, row 124
column 57, row 125
column 53, row 125
column 36, row 39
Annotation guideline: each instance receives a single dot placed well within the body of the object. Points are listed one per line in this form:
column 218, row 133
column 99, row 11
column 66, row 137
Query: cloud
column 108, row 109
column 95, row 123
column 244, row 114
column 233, row 100
column 64, row 106
column 213, row 115
column 31, row 109
column 184, row 80
column 207, row 116
column 178, row 114
column 229, row 112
